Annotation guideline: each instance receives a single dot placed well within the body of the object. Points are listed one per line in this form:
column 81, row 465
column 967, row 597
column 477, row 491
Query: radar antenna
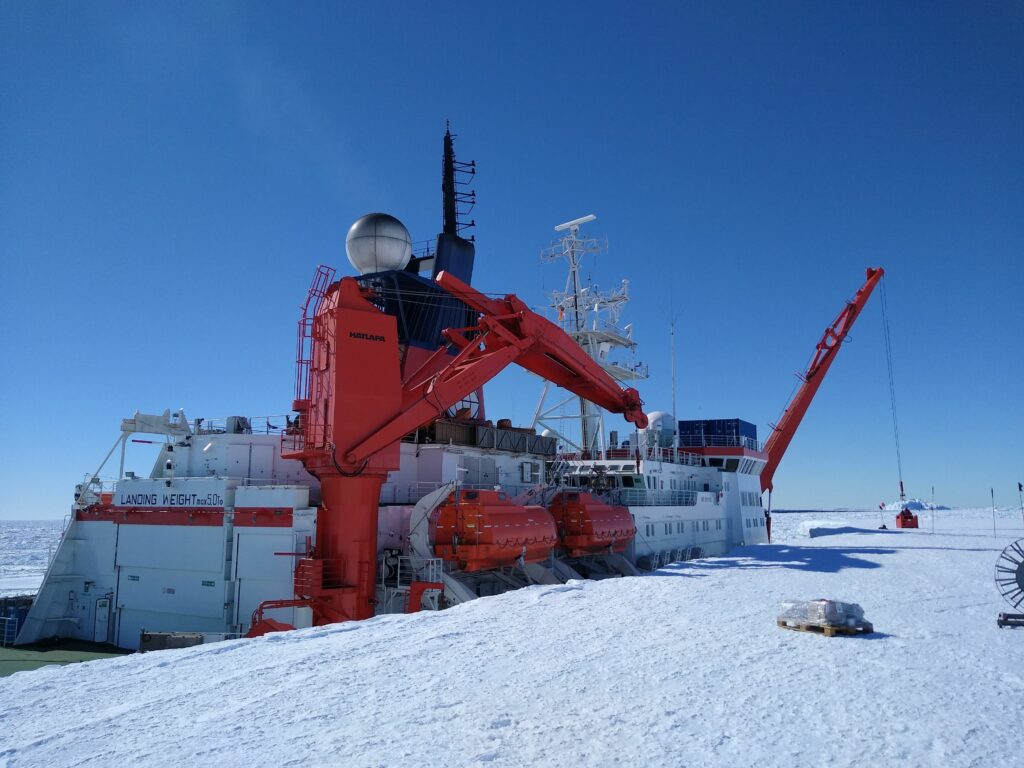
column 457, row 203
column 591, row 318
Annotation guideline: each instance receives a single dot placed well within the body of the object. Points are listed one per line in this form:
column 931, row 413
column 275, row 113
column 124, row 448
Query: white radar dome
column 658, row 420
column 378, row 242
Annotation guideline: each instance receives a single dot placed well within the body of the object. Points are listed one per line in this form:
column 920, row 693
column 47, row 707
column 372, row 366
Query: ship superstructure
column 691, row 487
column 388, row 489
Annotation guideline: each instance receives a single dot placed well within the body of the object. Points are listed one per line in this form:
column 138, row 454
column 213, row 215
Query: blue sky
column 171, row 174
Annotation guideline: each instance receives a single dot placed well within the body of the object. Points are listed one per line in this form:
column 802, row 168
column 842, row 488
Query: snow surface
column 685, row 667
column 25, row 547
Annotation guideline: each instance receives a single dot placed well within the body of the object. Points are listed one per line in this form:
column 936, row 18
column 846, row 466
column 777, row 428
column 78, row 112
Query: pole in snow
column 1020, row 495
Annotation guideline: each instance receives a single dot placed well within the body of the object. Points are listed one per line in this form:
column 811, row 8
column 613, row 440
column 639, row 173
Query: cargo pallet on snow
column 829, row 630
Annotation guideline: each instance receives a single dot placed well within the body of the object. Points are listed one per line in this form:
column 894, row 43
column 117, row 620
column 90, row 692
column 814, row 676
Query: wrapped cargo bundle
column 821, row 613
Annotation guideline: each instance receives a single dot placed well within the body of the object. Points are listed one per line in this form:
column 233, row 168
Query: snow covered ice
column 25, row 547
column 685, row 667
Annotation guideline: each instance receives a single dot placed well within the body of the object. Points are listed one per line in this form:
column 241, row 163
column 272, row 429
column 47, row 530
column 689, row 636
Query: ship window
column 668, row 528
column 747, row 521
column 705, row 525
column 718, row 525
column 715, row 463
column 693, row 526
column 529, row 471
column 627, row 481
column 731, row 465
column 472, row 495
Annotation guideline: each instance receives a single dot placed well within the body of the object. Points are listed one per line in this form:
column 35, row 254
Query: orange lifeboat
column 481, row 530
column 587, row 525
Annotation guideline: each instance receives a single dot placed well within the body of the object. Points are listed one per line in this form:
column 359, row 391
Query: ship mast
column 591, row 318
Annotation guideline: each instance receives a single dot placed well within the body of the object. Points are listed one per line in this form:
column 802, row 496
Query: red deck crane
column 357, row 408
column 824, row 354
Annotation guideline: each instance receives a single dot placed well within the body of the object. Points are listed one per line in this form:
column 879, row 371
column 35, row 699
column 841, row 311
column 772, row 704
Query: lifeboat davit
column 483, row 530
column 588, row 526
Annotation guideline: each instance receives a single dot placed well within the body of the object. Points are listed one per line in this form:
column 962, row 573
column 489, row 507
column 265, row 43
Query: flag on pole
column 1020, row 487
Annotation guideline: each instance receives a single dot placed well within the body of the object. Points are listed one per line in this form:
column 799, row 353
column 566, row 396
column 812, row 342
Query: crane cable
column 892, row 387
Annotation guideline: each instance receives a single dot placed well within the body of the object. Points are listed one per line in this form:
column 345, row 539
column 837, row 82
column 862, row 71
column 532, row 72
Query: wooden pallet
column 863, row 628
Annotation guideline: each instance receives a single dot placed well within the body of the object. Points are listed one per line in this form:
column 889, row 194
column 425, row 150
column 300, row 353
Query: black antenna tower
column 458, row 202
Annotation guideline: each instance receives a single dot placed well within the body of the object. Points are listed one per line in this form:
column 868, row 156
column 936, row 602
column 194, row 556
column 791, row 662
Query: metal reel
column 1010, row 574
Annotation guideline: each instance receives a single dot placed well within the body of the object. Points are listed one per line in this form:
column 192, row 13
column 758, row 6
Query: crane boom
column 824, row 354
column 358, row 407
column 508, row 332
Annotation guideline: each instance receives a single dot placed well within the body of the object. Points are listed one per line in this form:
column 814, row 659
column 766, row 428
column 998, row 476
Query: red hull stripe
column 195, row 516
column 263, row 517
column 245, row 517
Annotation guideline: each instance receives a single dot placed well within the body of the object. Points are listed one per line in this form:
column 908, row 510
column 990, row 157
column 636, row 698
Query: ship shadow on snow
column 818, row 559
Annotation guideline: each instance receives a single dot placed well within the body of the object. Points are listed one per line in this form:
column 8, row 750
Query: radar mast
column 592, row 318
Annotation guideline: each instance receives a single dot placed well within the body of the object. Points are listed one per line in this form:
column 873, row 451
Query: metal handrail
column 644, row 497
column 720, row 441
column 410, row 493
column 257, row 425
column 647, row 453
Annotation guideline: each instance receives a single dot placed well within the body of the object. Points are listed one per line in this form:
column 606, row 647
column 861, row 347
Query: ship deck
column 26, row 658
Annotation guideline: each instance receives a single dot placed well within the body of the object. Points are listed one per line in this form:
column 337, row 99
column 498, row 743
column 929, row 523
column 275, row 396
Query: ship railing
column 94, row 490
column 647, row 453
column 401, row 571
column 397, row 576
column 720, row 441
column 243, row 425
column 645, row 497
column 410, row 493
column 670, row 455
column 317, row 577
